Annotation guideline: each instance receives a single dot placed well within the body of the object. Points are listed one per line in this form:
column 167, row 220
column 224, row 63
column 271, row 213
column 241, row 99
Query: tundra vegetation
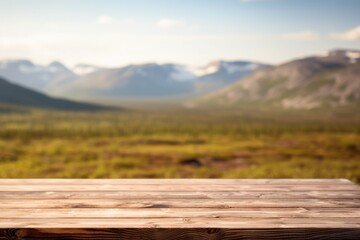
column 180, row 143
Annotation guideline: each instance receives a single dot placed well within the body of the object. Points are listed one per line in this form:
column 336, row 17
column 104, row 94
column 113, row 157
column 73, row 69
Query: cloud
column 104, row 19
column 350, row 35
column 301, row 36
column 167, row 23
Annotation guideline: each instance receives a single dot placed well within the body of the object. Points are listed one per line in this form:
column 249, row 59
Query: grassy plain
column 176, row 143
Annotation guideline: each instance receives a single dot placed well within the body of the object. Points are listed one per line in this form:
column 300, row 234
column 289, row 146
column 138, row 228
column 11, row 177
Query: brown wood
column 182, row 234
column 172, row 181
column 179, row 209
column 170, row 222
column 179, row 187
column 181, row 195
column 138, row 213
column 32, row 203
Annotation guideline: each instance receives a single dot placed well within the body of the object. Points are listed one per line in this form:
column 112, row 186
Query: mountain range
column 329, row 79
column 32, row 76
column 141, row 81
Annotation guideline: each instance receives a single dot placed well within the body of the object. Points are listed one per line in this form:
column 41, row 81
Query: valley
column 300, row 119
column 167, row 143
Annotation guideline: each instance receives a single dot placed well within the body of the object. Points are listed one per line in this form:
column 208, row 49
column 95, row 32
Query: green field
column 174, row 143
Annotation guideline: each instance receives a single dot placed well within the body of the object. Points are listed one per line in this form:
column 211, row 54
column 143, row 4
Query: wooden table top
column 179, row 203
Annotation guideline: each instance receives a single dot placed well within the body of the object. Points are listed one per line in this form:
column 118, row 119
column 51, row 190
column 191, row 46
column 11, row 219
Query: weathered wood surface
column 182, row 234
column 179, row 209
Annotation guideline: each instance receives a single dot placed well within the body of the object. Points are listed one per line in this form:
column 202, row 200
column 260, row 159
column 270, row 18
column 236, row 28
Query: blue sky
column 120, row 32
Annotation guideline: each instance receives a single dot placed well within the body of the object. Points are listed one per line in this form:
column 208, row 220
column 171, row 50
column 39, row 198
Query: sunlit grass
column 161, row 144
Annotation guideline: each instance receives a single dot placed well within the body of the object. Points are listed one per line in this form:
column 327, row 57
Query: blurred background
column 180, row 89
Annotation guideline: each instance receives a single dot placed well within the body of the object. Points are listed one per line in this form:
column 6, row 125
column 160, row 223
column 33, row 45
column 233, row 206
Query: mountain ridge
column 14, row 94
column 145, row 81
column 328, row 79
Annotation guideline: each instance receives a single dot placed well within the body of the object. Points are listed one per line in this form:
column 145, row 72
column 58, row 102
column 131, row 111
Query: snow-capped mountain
column 84, row 69
column 35, row 77
column 329, row 79
column 155, row 80
column 344, row 56
column 221, row 73
column 133, row 81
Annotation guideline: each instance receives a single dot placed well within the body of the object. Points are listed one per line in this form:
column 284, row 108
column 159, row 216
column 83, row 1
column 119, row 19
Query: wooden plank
column 261, row 223
column 38, row 206
column 179, row 195
column 176, row 203
column 142, row 213
column 182, row 234
column 181, row 181
column 186, row 187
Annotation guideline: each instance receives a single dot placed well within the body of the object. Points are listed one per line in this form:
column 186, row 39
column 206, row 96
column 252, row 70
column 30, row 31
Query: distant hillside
column 154, row 80
column 142, row 81
column 330, row 79
column 30, row 75
column 222, row 73
column 13, row 94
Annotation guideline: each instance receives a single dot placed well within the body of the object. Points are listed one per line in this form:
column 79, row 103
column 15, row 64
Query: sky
column 113, row 33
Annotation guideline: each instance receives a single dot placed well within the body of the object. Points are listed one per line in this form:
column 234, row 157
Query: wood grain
column 212, row 222
column 179, row 209
column 181, row 234
column 140, row 213
column 179, row 187
column 180, row 195
column 32, row 203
